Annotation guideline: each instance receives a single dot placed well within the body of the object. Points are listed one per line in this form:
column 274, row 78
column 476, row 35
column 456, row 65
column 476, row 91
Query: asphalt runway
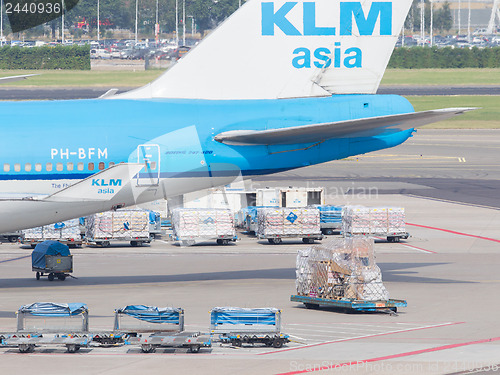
column 18, row 93
column 447, row 271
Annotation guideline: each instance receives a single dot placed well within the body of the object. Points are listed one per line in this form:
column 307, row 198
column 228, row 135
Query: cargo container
column 389, row 222
column 125, row 225
column 274, row 224
column 192, row 225
column 68, row 232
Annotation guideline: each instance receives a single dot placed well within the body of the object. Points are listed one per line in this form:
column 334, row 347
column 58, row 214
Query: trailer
column 388, row 222
column 124, row 225
column 153, row 327
column 239, row 326
column 50, row 324
column 342, row 273
column 191, row 225
column 52, row 259
column 274, row 224
column 330, row 219
column 389, row 306
column 68, row 232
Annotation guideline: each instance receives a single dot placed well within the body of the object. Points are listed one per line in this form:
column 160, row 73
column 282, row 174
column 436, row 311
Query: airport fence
column 45, row 57
column 444, row 58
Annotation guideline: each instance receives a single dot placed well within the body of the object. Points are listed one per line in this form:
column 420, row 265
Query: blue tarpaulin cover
column 47, row 248
column 238, row 315
column 153, row 314
column 54, row 309
column 330, row 214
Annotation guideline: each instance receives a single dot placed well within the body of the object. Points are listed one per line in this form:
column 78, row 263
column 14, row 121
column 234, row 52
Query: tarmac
column 447, row 271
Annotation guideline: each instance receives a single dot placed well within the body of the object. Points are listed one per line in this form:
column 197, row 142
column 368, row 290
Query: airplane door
column 149, row 155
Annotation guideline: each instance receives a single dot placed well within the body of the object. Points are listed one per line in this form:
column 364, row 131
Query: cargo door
column 149, row 155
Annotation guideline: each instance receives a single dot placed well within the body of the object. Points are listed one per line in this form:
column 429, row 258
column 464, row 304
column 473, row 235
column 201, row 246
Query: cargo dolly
column 239, row 326
column 47, row 324
column 153, row 327
column 52, row 259
column 388, row 306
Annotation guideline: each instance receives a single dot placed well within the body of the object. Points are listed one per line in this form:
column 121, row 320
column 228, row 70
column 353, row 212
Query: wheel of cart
column 308, row 240
column 72, row 348
column 148, row 348
column 277, row 342
column 38, row 274
column 274, row 241
column 194, row 348
column 222, row 241
column 393, row 239
column 26, row 348
column 236, row 342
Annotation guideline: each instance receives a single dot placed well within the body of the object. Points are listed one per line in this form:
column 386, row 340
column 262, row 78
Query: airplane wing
column 16, row 78
column 342, row 129
column 101, row 186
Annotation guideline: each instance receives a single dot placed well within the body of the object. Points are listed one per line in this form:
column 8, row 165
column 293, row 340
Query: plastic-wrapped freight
column 340, row 269
column 373, row 220
column 202, row 223
column 288, row 222
column 119, row 224
column 65, row 230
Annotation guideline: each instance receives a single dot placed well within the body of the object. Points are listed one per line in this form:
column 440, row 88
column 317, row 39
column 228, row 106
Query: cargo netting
column 288, row 222
column 118, row 224
column 69, row 229
column 203, row 223
column 358, row 220
column 340, row 269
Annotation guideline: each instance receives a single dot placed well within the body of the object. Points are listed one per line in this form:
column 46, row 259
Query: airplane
column 279, row 85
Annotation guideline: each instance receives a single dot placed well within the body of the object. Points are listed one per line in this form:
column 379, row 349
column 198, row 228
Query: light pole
column 432, row 22
column 136, row 17
column 98, row 23
column 157, row 26
column 422, row 21
column 459, row 16
column 1, row 23
column 177, row 22
column 468, row 25
column 183, row 22
column 192, row 25
column 62, row 21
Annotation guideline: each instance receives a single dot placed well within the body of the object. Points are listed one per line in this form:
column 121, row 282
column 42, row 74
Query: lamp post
column 183, row 22
column 432, row 22
column 98, row 22
column 422, row 21
column 136, row 17
column 177, row 22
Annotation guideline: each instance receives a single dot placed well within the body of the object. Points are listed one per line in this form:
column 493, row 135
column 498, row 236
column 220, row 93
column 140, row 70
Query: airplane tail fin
column 272, row 49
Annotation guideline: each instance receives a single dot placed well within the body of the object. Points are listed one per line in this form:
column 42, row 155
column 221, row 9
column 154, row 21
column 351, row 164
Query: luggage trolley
column 52, row 259
column 239, row 326
column 153, row 327
column 49, row 324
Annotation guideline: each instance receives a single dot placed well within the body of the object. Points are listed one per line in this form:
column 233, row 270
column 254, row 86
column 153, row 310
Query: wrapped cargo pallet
column 203, row 224
column 119, row 225
column 388, row 222
column 277, row 223
column 341, row 269
column 67, row 232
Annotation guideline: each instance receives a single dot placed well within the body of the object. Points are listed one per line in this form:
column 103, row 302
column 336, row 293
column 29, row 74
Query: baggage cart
column 388, row 222
column 330, row 219
column 239, row 326
column 389, row 306
column 51, row 324
column 127, row 225
column 191, row 225
column 274, row 224
column 153, row 327
column 68, row 232
column 52, row 259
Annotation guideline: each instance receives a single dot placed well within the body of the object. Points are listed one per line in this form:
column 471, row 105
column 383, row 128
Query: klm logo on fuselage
column 106, row 185
column 350, row 13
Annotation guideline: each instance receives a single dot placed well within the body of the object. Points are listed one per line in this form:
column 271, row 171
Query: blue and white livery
column 279, row 85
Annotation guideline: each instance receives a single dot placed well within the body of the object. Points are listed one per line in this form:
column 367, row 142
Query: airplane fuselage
column 48, row 146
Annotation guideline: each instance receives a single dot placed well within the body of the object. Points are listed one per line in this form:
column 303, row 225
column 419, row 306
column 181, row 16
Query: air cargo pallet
column 276, row 340
column 387, row 306
column 26, row 343
column 277, row 239
column 192, row 340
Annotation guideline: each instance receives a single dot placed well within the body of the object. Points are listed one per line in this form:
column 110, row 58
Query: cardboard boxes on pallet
column 342, row 269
